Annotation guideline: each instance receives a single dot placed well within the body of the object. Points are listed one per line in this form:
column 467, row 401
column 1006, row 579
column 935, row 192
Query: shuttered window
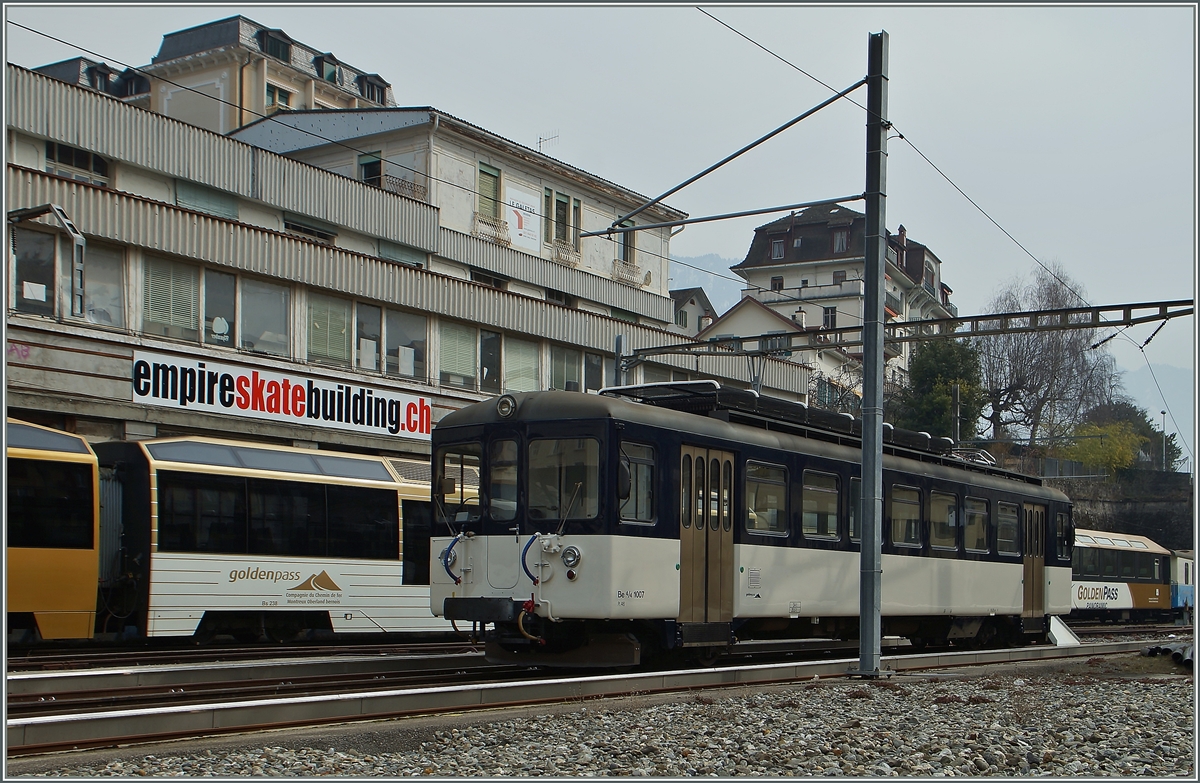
column 489, row 191
column 329, row 332
column 457, row 355
column 521, row 365
column 189, row 195
column 171, row 306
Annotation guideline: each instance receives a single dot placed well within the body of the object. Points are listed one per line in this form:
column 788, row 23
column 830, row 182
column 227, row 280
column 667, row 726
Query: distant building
column 693, row 312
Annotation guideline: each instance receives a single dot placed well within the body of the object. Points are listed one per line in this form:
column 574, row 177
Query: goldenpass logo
column 170, row 381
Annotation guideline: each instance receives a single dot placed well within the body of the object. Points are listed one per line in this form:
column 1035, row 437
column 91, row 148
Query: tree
column 1039, row 384
column 927, row 402
column 1113, row 446
column 1122, row 411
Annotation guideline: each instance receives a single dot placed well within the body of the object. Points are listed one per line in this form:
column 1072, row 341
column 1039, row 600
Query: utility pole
column 1164, row 415
column 869, row 637
column 956, row 412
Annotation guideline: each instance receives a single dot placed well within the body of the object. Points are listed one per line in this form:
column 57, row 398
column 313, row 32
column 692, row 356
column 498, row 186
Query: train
column 688, row 518
column 198, row 538
column 1121, row 577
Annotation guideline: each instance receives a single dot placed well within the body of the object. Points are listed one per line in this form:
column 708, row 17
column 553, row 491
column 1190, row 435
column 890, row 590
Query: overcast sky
column 1073, row 127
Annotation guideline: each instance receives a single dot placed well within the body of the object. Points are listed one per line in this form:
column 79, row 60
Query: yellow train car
column 53, row 532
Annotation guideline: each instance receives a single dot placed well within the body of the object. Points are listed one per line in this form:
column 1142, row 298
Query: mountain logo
column 321, row 581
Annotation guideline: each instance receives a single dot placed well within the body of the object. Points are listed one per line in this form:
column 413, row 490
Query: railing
column 893, row 302
column 951, row 308
column 629, row 274
column 833, row 290
column 565, row 254
column 492, row 229
column 403, row 187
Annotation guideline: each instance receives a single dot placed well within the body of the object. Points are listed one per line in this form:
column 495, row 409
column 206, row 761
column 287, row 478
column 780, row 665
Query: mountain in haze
column 710, row 272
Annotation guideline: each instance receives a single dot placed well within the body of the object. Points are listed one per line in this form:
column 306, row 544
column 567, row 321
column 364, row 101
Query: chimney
column 799, row 318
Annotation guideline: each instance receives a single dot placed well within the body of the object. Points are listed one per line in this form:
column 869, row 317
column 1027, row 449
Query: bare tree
column 1040, row 384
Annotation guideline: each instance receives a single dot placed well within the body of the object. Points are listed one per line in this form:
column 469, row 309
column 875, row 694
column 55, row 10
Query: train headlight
column 506, row 406
column 571, row 556
column 448, row 557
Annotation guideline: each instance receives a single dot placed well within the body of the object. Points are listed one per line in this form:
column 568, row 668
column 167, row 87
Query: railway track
column 37, row 723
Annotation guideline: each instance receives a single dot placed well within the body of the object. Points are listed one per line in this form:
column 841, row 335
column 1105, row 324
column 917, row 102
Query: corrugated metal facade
column 45, row 107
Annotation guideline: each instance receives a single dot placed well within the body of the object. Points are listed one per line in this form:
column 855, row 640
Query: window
column 820, row 502
column 502, row 480
column 855, row 509
column 76, row 164
column 521, row 363
column 403, row 254
column 373, row 88
column 593, row 371
column 627, row 243
column 265, row 317
column 329, row 334
column 326, row 67
column 370, row 169
column 929, row 275
column 278, row 97
column 776, row 249
column 906, row 516
column 489, row 191
column 1006, row 529
column 189, row 195
column 309, row 229
column 681, row 318
column 277, row 44
column 220, row 308
column 35, row 277
column 547, row 212
column 766, row 498
column 1062, row 536
column 495, row 281
column 943, row 520
column 1086, row 562
column 456, row 482
column 458, row 360
column 655, row 373
column 562, row 220
column 624, row 315
column 489, row 361
column 564, row 479
column 638, row 461
column 560, row 297
column 841, row 240
column 839, row 277
column 171, row 302
column 104, row 292
column 975, row 525
column 564, row 366
column 796, row 242
column 829, row 318
column 576, row 222
column 49, row 504
column 366, row 336
column 777, row 283
column 404, row 344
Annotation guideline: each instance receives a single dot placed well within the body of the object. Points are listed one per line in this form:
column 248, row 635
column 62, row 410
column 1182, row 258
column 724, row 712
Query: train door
column 1034, row 602
column 706, row 575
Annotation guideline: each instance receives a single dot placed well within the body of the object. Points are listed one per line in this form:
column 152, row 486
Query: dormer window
column 841, row 240
column 326, row 66
column 373, row 88
column 776, row 249
column 277, row 44
column 100, row 76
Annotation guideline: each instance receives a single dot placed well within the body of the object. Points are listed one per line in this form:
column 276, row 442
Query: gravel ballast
column 1087, row 719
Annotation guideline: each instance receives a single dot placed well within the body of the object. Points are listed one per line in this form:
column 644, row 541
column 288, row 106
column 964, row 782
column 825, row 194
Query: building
column 231, row 291
column 693, row 312
column 808, row 268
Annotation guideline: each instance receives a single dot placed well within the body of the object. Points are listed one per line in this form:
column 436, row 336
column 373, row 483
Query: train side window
column 288, row 518
column 1087, row 562
column 906, row 516
column 975, row 525
column 1062, row 535
column 201, row 513
column 50, row 504
column 943, row 520
column 1007, row 526
column 727, row 495
column 820, row 501
column 766, row 498
column 701, row 488
column 502, row 480
column 685, row 495
column 364, row 522
column 1144, row 566
column 855, row 509
column 639, row 506
column 1108, row 563
column 714, row 494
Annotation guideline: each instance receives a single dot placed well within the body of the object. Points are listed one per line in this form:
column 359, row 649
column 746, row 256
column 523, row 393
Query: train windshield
column 564, row 478
column 456, row 483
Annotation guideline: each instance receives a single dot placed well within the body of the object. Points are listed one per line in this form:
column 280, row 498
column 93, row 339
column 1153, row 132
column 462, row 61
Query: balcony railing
column 403, row 187
column 492, row 229
column 893, row 302
column 565, row 254
column 832, row 291
column 951, row 308
column 629, row 274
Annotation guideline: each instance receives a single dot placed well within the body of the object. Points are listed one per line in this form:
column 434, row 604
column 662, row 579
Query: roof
column 1100, row 539
column 287, row 132
column 746, row 301
column 683, row 295
column 822, row 213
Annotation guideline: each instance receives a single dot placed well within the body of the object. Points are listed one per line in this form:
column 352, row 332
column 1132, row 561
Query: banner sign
column 524, row 223
column 233, row 390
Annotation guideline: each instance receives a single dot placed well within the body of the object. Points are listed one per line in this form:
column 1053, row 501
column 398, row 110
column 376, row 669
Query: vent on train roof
column 412, row 470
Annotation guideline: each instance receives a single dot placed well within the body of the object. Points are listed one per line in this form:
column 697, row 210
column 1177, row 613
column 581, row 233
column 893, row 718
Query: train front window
column 564, row 478
column 502, row 480
column 50, row 504
column 456, row 483
column 638, row 460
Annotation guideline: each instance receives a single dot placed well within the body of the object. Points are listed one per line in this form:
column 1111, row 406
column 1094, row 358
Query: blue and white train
column 584, row 529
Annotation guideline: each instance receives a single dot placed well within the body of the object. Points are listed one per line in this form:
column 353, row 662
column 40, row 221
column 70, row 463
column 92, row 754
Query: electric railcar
column 256, row 540
column 1183, row 582
column 606, row 529
column 53, row 532
column 1122, row 577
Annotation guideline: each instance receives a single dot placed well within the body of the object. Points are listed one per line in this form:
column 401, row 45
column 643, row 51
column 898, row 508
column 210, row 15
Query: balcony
column 629, row 274
column 951, row 308
column 850, row 288
column 565, row 254
column 492, row 229
column 893, row 303
column 403, row 187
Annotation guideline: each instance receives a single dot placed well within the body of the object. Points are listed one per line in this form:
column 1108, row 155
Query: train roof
column 1101, row 539
column 23, row 435
column 702, row 406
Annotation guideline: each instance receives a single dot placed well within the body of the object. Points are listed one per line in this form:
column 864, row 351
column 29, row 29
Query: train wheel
column 707, row 657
